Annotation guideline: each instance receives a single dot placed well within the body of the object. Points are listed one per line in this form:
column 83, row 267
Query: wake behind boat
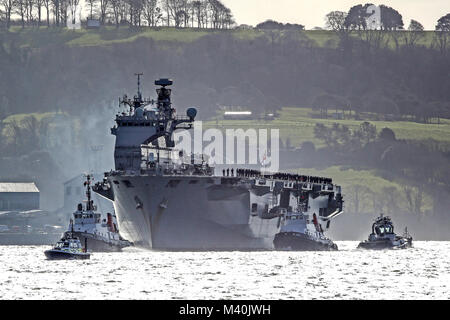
column 383, row 236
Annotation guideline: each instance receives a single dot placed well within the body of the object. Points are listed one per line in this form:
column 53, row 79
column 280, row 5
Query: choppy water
column 422, row 272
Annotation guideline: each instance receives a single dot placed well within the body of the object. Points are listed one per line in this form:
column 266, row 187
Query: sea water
column 422, row 272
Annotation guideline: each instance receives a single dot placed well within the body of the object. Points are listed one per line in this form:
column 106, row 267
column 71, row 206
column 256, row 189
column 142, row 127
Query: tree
column 104, row 4
column 116, row 6
column 367, row 132
column 198, row 10
column 92, row 6
column 21, row 10
column 414, row 34
column 356, row 18
column 8, row 6
column 47, row 9
column 386, row 134
column 39, row 5
column 391, row 19
column 152, row 13
column 442, row 32
column 335, row 20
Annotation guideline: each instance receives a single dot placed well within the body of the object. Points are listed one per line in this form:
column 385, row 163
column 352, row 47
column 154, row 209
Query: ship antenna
column 139, row 83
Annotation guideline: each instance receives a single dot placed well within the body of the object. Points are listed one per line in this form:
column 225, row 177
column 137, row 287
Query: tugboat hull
column 301, row 242
column 385, row 244
column 99, row 245
column 60, row 255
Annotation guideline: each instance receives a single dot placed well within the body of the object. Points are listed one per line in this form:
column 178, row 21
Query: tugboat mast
column 88, row 192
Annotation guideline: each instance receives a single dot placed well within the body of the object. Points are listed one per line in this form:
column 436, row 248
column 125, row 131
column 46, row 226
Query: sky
column 311, row 13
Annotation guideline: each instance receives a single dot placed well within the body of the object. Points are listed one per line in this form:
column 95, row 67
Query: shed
column 237, row 115
column 19, row 196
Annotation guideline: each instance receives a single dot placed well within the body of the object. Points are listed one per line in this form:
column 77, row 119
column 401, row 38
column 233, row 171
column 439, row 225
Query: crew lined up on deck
column 249, row 173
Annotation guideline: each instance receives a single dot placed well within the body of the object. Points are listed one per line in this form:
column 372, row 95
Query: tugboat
column 299, row 233
column 383, row 236
column 68, row 248
column 103, row 235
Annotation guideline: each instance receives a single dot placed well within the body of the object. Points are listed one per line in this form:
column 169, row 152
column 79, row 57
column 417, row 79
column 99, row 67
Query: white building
column 18, row 196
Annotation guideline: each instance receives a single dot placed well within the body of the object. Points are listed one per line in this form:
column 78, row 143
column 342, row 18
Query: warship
column 87, row 224
column 166, row 199
column 383, row 236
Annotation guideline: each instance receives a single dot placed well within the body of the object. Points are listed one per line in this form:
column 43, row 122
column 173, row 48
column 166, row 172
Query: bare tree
column 56, row 7
column 152, row 12
column 116, row 9
column 47, row 9
column 21, row 9
column 8, row 6
column 104, row 4
column 39, row 5
column 73, row 5
column 92, row 7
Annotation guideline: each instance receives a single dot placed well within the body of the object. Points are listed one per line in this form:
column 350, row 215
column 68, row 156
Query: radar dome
column 191, row 113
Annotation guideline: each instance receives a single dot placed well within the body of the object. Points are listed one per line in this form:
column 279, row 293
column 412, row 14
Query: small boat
column 383, row 236
column 68, row 248
column 300, row 233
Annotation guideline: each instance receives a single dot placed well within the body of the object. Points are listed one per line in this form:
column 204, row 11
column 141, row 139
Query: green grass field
column 298, row 125
column 378, row 186
column 109, row 35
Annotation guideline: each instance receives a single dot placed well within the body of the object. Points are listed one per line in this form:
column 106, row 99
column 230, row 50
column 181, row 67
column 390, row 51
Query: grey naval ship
column 166, row 199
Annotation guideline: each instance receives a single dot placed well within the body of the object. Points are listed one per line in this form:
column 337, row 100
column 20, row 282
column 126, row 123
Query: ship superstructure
column 167, row 199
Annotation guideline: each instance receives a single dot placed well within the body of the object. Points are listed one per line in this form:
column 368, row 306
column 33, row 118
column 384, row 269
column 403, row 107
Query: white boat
column 87, row 224
column 383, row 236
column 301, row 232
column 68, row 248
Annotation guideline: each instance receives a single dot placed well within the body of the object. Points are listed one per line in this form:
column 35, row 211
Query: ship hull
column 300, row 242
column 188, row 213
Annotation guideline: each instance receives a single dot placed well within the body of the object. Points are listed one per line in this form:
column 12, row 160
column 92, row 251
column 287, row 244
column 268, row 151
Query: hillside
column 297, row 124
column 109, row 35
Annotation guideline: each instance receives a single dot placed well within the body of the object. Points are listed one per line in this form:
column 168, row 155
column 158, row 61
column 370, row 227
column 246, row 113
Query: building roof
column 238, row 113
column 18, row 187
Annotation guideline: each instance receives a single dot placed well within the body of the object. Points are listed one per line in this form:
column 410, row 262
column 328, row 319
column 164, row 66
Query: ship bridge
column 144, row 122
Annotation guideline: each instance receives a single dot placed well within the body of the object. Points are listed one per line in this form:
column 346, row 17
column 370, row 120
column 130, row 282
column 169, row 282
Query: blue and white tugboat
column 383, row 236
column 87, row 224
column 68, row 248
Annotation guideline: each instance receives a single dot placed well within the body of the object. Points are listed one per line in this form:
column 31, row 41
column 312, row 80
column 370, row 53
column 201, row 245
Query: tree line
column 211, row 14
column 369, row 22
